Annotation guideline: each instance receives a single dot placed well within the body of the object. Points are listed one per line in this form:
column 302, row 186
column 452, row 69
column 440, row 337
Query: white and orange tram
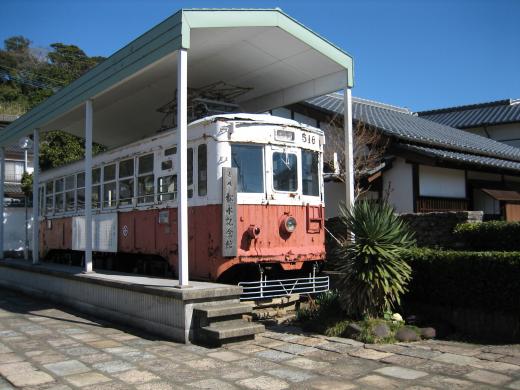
column 255, row 203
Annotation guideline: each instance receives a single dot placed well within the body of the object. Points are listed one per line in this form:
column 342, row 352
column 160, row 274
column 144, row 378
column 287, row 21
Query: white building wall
column 399, row 182
column 442, row 182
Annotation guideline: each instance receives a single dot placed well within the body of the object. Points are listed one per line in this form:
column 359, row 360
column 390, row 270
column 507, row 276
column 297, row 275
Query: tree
column 369, row 147
column 27, row 78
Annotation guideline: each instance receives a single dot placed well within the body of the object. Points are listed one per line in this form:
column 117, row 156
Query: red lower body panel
column 143, row 232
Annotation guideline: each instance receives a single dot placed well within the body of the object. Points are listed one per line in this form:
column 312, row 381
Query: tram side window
column 202, row 169
column 96, row 188
column 126, row 182
column 167, row 188
column 70, row 193
column 80, row 192
column 310, row 173
column 58, row 195
column 190, row 172
column 49, row 197
column 249, row 162
column 285, row 171
column 145, row 179
column 109, row 185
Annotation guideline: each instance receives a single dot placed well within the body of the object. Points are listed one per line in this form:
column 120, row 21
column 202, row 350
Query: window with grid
column 58, row 196
column 109, row 186
column 145, row 179
column 70, row 193
column 126, row 182
column 96, row 188
column 80, row 192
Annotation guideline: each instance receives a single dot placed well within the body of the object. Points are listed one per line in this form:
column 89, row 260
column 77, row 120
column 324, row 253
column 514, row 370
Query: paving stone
column 445, row 382
column 96, row 358
column 136, row 376
column 68, row 367
column 237, row 374
column 257, row 364
column 342, row 340
column 514, row 385
column 457, row 359
column 10, row 358
column 458, row 349
column 87, row 379
column 380, row 382
column 101, row 344
column 444, row 368
column 291, row 375
column 245, row 348
column 113, row 366
column 78, row 351
column 510, row 359
column 275, row 356
column 29, row 378
column 488, row 377
column 401, row 372
column 205, row 364
column 4, row 348
column 15, row 368
column 263, row 382
column 369, row 354
column 330, row 384
column 48, row 357
column 403, row 360
column 325, row 356
column 63, row 342
column 497, row 366
column 336, row 347
column 156, row 386
column 212, row 384
column 307, row 364
column 159, row 365
column 295, row 349
column 489, row 356
column 226, row 356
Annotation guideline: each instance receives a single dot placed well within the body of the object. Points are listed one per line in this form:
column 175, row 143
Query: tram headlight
column 289, row 224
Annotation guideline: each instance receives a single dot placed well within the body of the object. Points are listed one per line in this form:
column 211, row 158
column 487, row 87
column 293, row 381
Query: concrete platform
column 155, row 305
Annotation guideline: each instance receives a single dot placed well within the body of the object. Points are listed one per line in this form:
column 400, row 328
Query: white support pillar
column 36, row 203
column 349, row 148
column 182, row 148
column 88, row 185
column 2, row 180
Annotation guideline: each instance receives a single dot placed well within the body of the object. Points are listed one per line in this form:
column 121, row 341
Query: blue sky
column 421, row 54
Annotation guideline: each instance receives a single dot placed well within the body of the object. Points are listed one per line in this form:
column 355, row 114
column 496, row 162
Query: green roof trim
column 168, row 36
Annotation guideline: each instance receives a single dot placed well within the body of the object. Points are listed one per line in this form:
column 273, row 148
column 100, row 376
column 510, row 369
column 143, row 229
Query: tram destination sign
column 229, row 212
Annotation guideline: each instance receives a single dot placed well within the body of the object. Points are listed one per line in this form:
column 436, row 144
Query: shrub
column 492, row 235
column 373, row 273
column 487, row 281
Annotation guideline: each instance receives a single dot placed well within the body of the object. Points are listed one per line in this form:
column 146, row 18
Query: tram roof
column 280, row 60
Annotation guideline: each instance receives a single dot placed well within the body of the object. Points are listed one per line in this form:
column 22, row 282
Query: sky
column 420, row 54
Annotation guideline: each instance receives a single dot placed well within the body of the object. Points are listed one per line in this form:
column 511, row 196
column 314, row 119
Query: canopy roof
column 279, row 60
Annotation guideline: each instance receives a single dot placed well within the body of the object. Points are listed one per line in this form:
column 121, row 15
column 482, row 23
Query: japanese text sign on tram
column 229, row 212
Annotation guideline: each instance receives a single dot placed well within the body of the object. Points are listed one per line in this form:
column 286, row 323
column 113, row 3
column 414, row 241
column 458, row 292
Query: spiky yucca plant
column 373, row 274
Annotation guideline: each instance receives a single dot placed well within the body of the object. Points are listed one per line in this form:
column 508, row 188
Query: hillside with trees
column 29, row 75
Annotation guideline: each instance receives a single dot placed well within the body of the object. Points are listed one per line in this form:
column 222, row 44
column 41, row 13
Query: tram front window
column 310, row 173
column 285, row 172
column 249, row 162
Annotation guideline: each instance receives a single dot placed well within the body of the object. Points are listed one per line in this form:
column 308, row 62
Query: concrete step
column 224, row 310
column 225, row 331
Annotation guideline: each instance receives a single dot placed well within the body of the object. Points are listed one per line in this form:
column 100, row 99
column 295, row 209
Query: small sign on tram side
column 229, row 212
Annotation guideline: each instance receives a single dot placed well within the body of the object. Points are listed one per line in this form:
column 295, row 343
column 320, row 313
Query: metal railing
column 264, row 289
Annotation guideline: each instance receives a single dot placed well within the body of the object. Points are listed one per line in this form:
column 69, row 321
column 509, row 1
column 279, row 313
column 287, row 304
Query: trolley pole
column 182, row 189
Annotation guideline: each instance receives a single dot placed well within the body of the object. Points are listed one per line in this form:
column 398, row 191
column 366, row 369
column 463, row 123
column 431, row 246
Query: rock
column 428, row 333
column 406, row 334
column 352, row 330
column 381, row 331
